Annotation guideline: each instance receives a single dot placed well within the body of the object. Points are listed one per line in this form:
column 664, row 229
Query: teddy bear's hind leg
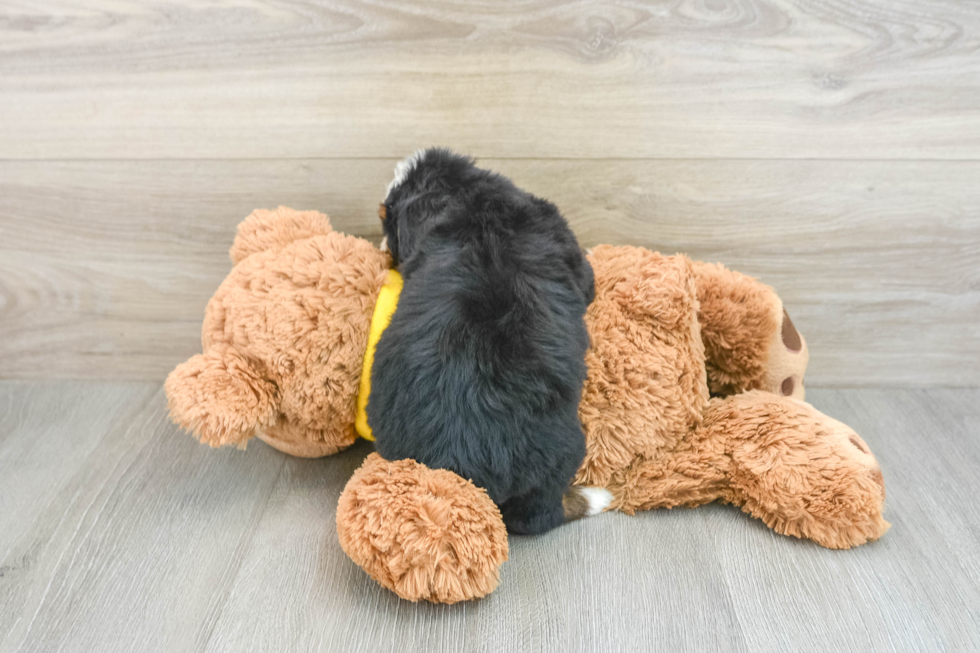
column 750, row 342
column 220, row 398
column 801, row 472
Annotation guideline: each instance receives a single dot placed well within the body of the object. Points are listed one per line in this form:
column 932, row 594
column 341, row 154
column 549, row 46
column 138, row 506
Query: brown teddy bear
column 694, row 395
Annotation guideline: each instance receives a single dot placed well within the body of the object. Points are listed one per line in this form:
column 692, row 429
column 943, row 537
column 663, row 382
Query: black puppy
column 481, row 369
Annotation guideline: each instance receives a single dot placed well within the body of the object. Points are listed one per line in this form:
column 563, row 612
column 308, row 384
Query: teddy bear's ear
column 220, row 398
column 264, row 230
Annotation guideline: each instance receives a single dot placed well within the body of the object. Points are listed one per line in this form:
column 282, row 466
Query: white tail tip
column 599, row 499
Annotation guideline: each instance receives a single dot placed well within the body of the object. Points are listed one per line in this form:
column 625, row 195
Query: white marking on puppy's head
column 402, row 168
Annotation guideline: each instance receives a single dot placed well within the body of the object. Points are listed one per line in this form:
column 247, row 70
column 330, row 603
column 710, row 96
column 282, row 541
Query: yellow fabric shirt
column 383, row 310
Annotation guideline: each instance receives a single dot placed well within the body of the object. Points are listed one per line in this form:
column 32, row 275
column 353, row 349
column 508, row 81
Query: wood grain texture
column 33, row 421
column 105, row 267
column 536, row 78
column 569, row 591
column 134, row 537
column 918, row 588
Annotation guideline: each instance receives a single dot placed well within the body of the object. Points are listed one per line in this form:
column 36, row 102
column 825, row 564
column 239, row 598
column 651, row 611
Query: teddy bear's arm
column 220, row 398
column 749, row 341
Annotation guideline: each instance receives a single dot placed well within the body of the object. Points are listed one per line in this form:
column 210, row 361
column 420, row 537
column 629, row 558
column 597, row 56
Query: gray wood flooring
column 118, row 533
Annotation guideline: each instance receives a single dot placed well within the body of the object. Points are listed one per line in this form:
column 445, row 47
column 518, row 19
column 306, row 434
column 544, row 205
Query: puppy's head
column 425, row 185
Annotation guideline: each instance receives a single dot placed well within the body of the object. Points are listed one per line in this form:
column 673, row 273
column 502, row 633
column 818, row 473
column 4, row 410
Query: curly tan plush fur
column 284, row 338
column 645, row 390
column 422, row 533
column 801, row 472
column 777, row 458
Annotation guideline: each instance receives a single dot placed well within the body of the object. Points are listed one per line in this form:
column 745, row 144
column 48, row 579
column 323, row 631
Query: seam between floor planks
column 241, row 553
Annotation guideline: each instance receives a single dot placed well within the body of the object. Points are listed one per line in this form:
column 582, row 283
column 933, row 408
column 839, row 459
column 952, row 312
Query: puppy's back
column 481, row 368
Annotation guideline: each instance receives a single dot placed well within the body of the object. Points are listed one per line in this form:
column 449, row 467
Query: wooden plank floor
column 118, row 533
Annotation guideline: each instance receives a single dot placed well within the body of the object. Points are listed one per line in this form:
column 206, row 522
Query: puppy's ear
column 409, row 223
column 405, row 236
column 584, row 278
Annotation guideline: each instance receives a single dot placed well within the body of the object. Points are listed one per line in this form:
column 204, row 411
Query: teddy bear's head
column 284, row 338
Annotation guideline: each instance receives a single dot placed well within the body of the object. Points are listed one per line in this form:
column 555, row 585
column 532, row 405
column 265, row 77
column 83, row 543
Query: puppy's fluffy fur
column 482, row 367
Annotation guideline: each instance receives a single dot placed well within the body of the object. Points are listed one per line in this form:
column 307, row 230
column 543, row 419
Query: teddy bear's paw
column 426, row 534
column 853, row 498
column 219, row 397
column 788, row 358
column 749, row 340
column 801, row 472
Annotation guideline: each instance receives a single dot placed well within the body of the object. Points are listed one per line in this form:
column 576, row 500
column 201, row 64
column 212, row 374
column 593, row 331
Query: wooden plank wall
column 832, row 148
